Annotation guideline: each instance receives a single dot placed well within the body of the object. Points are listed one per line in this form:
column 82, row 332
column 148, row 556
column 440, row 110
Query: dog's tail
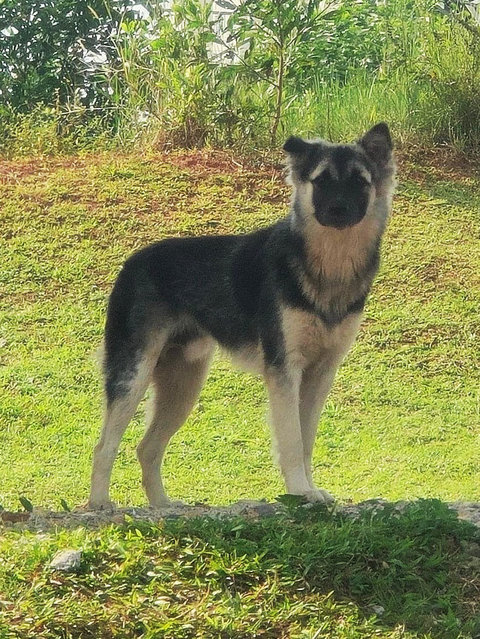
column 98, row 355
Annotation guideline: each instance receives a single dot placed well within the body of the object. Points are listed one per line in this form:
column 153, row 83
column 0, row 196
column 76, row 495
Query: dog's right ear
column 296, row 146
column 378, row 144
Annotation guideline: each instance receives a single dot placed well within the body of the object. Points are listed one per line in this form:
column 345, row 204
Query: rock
column 249, row 507
column 469, row 511
column 378, row 610
column 265, row 509
column 66, row 560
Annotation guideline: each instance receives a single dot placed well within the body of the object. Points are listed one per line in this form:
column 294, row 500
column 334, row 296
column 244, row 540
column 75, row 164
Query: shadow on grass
column 416, row 567
column 306, row 573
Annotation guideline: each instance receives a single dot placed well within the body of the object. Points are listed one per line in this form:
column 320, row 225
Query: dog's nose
column 338, row 211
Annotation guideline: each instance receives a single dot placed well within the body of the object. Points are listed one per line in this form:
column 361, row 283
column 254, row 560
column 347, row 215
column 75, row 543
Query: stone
column 66, row 560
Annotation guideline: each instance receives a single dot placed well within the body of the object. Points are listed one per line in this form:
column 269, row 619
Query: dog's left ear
column 377, row 143
column 296, row 146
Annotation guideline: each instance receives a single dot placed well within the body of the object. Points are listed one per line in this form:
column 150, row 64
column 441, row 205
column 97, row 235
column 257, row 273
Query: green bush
column 183, row 78
column 451, row 113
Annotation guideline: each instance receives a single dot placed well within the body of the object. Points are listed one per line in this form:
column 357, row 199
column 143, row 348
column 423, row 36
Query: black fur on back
column 229, row 287
column 233, row 287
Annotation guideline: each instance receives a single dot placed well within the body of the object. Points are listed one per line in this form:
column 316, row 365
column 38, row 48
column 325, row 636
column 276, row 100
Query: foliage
column 167, row 76
column 455, row 94
column 185, row 74
column 53, row 131
column 324, row 40
column 275, row 35
column 47, row 51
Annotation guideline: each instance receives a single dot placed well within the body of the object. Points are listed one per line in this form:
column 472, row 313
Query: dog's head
column 339, row 182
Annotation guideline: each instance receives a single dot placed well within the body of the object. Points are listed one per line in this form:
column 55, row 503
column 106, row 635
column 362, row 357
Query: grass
column 401, row 421
column 302, row 575
column 402, row 418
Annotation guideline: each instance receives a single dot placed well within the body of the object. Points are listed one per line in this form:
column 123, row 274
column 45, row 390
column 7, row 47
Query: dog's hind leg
column 314, row 388
column 177, row 383
column 125, row 387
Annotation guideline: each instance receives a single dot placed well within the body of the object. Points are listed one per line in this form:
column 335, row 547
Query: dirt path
column 40, row 520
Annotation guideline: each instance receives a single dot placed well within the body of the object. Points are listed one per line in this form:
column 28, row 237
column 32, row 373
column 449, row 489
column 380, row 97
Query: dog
column 284, row 301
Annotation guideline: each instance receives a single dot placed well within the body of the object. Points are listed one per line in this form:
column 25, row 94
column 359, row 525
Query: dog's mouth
column 339, row 217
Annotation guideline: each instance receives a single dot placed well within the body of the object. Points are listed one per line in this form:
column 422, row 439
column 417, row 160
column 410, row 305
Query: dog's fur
column 285, row 302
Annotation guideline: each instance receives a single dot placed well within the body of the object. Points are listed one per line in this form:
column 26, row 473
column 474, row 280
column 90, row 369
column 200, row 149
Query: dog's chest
column 308, row 339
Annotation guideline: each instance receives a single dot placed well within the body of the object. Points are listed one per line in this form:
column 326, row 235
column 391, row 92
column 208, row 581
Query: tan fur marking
column 338, row 253
column 199, row 348
column 308, row 340
column 320, row 168
column 360, row 168
column 249, row 359
column 116, row 419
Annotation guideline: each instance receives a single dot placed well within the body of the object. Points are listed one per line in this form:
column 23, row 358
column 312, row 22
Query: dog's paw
column 319, row 496
column 167, row 503
column 98, row 505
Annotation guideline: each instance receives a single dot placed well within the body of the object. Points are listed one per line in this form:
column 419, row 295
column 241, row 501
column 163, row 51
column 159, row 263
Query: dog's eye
column 322, row 178
column 359, row 179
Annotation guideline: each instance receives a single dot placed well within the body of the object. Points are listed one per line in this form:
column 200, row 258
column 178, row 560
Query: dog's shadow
column 416, row 567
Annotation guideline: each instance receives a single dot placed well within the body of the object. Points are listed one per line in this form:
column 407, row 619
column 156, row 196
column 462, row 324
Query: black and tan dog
column 285, row 302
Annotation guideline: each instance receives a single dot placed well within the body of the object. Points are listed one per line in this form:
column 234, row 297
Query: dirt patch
column 17, row 170
column 205, row 161
column 43, row 520
column 414, row 163
column 202, row 162
column 442, row 163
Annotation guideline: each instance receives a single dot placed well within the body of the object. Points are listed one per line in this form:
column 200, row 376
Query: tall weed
column 52, row 131
column 453, row 73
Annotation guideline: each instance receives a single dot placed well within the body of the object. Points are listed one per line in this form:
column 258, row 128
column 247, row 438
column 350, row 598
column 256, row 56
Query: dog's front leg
column 284, row 395
column 316, row 383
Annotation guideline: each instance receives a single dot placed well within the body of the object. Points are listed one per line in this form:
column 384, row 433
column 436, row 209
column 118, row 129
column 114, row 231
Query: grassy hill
column 402, row 420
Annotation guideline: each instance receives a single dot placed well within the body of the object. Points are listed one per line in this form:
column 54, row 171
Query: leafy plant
column 75, row 75
column 26, row 503
column 49, row 48
column 65, row 506
column 276, row 32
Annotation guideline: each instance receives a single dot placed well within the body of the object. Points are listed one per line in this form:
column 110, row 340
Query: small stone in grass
column 66, row 560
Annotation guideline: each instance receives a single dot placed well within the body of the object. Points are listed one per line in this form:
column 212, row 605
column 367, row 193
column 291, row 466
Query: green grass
column 302, row 575
column 401, row 421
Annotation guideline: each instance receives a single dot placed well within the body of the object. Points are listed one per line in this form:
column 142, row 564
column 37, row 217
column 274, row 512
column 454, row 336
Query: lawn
column 303, row 575
column 402, row 421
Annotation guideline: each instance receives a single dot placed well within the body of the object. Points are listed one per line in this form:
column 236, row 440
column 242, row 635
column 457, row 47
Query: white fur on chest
column 308, row 340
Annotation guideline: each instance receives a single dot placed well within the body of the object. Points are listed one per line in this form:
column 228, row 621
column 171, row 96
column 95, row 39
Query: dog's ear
column 377, row 144
column 296, row 146
column 302, row 156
